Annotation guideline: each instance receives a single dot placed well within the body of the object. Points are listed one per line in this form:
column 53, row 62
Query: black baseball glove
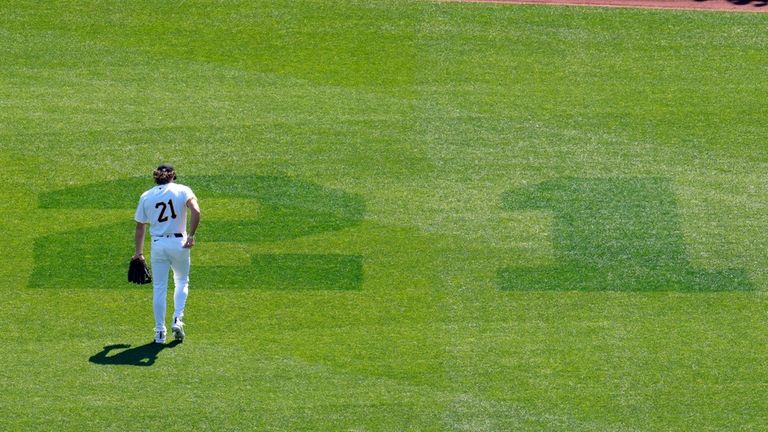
column 138, row 272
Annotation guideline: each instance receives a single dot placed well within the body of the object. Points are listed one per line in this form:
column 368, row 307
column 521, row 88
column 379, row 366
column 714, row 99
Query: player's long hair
column 164, row 177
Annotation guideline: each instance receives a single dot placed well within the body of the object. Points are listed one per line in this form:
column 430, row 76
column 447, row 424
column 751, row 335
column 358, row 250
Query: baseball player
column 164, row 208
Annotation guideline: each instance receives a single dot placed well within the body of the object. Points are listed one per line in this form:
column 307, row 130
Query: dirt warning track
column 722, row 5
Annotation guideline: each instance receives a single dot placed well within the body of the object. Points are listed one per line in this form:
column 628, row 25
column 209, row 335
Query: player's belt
column 170, row 235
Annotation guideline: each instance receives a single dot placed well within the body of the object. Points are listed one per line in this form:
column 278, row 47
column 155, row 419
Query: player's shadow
column 144, row 355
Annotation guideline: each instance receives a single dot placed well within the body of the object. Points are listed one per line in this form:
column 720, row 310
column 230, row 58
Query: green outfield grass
column 416, row 216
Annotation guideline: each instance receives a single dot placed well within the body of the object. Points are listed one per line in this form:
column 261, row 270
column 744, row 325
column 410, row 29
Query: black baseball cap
column 166, row 168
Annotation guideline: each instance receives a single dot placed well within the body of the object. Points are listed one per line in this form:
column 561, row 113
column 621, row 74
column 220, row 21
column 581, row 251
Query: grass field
column 416, row 216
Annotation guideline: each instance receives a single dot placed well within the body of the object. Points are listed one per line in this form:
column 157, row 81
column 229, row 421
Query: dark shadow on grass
column 144, row 355
column 755, row 3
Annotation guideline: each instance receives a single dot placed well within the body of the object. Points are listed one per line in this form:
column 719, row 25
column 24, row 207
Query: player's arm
column 194, row 221
column 141, row 229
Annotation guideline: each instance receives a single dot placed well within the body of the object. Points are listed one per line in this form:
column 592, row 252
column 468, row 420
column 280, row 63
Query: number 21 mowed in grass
column 608, row 234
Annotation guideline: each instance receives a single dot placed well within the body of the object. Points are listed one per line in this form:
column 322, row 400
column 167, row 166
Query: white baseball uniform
column 164, row 208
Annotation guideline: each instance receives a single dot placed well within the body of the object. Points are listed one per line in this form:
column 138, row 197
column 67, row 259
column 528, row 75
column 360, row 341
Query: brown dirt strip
column 720, row 5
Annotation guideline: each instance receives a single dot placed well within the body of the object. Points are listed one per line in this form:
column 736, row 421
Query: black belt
column 170, row 235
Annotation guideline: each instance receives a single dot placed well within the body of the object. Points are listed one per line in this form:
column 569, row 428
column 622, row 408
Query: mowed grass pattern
column 289, row 209
column 613, row 234
column 366, row 173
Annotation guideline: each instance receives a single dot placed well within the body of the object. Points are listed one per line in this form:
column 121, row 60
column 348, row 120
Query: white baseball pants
column 168, row 254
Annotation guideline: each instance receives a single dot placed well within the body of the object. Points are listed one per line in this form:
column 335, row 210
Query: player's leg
column 161, row 265
column 180, row 264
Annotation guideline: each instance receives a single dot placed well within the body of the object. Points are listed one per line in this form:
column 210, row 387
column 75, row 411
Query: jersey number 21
column 162, row 217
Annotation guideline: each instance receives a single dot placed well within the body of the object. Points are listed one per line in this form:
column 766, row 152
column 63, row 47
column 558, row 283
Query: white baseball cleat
column 160, row 336
column 178, row 329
